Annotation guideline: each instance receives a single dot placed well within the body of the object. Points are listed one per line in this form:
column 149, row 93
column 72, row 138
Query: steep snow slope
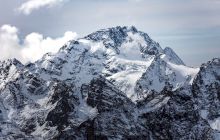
column 163, row 73
column 171, row 56
column 8, row 70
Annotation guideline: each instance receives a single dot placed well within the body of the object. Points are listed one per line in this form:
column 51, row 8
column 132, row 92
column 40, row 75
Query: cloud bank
column 34, row 45
column 31, row 5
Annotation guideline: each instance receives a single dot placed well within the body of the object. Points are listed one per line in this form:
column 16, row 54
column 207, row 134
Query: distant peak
column 121, row 38
column 112, row 37
column 172, row 56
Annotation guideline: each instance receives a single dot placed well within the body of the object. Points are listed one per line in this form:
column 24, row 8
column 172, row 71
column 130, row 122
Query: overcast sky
column 190, row 27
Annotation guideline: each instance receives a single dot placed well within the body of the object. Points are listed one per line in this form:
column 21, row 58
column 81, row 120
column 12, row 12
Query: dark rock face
column 105, row 96
column 117, row 115
column 177, row 119
column 59, row 115
column 206, row 91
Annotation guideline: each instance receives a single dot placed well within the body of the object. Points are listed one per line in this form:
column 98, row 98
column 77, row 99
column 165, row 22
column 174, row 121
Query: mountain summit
column 115, row 83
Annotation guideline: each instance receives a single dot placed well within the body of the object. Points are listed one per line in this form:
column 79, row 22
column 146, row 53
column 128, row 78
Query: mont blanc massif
column 113, row 84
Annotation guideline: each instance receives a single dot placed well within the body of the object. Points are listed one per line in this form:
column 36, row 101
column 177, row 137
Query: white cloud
column 9, row 42
column 34, row 45
column 31, row 5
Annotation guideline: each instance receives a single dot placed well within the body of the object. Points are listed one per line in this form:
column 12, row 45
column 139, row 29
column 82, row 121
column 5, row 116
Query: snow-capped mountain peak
column 121, row 54
column 116, row 36
column 111, row 79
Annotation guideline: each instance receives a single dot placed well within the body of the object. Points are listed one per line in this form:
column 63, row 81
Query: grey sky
column 190, row 27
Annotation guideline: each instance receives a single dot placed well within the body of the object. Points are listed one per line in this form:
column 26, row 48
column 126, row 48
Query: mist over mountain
column 115, row 83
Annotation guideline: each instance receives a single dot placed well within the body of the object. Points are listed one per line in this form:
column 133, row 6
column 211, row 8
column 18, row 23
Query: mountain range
column 113, row 84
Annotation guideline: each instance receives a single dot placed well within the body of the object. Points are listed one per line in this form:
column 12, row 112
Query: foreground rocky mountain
column 116, row 83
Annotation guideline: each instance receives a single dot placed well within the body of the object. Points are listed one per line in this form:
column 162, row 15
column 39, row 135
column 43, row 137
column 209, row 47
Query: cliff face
column 116, row 83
